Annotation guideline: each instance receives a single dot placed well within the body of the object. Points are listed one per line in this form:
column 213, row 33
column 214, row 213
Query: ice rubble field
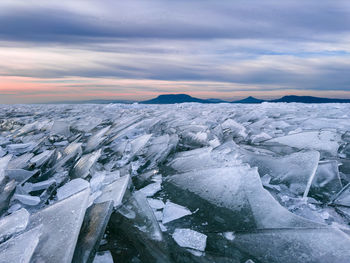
column 175, row 183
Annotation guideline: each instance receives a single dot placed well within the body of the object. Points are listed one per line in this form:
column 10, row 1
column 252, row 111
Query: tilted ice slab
column 174, row 211
column 321, row 245
column 239, row 189
column 72, row 187
column 326, row 141
column 190, row 239
column 61, row 224
column 14, row 223
column 95, row 140
column 115, row 191
column 327, row 181
column 92, row 230
column 296, row 170
column 82, row 167
column 20, row 248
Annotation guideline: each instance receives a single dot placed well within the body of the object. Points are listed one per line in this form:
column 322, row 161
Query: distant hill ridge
column 181, row 98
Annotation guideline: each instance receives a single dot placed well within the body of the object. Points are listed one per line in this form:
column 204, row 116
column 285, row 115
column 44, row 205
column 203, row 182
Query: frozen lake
column 175, row 183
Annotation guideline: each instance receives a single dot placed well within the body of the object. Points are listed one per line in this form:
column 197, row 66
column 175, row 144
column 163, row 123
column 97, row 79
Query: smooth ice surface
column 296, row 170
column 240, row 190
column 72, row 187
column 327, row 180
column 190, row 239
column 151, row 189
column 114, row 191
column 27, row 199
column 92, row 230
column 174, row 211
column 20, row 248
column 82, row 167
column 322, row 245
column 326, row 141
column 61, row 224
column 155, row 203
column 103, row 257
column 13, row 223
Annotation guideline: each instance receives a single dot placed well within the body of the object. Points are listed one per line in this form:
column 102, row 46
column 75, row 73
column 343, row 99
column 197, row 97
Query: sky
column 134, row 50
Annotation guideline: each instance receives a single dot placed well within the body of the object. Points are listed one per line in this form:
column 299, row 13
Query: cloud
column 200, row 47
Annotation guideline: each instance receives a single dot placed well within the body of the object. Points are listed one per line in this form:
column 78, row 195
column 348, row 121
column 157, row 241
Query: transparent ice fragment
column 327, row 180
column 326, row 141
column 61, row 226
column 60, row 128
column 190, row 239
column 20, row 162
column 95, row 140
column 296, row 170
column 30, row 187
column 4, row 161
column 103, row 257
column 238, row 189
column 42, row 158
column 82, row 167
column 155, row 203
column 72, row 187
column 13, row 223
column 20, row 175
column 114, row 191
column 92, row 230
column 174, row 211
column 343, row 197
column 151, row 189
column 27, row 199
column 20, row 248
column 21, row 148
column 295, row 245
column 7, row 188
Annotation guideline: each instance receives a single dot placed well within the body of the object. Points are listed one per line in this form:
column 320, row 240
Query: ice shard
column 42, row 158
column 13, row 223
column 296, row 170
column 96, row 139
column 72, row 187
column 174, row 211
column 324, row 141
column 327, row 180
column 4, row 161
column 343, row 197
column 103, row 257
column 20, row 248
column 114, row 191
column 82, row 168
column 190, row 239
column 303, row 245
column 60, row 127
column 236, row 193
column 20, row 162
column 92, row 230
column 61, row 223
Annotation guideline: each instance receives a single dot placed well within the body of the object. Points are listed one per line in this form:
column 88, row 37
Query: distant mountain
column 181, row 98
column 309, row 99
column 174, row 98
column 249, row 100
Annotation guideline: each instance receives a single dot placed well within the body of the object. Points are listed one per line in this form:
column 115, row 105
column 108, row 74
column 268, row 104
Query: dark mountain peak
column 249, row 99
column 309, row 99
column 173, row 98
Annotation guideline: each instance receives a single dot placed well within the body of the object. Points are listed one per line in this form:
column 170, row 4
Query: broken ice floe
column 246, row 183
